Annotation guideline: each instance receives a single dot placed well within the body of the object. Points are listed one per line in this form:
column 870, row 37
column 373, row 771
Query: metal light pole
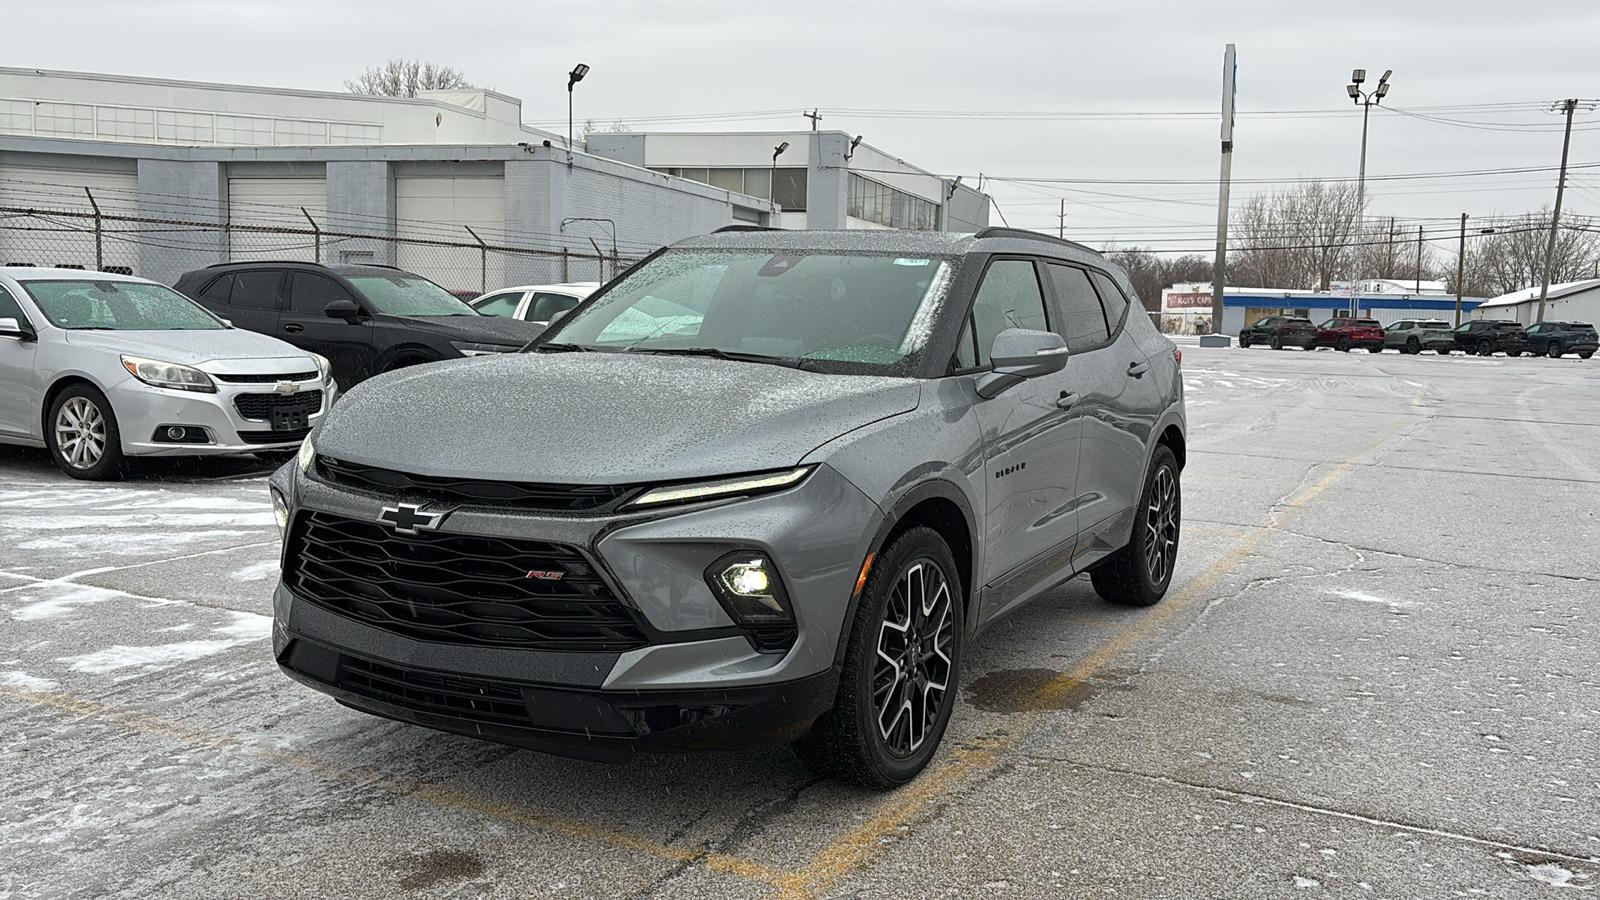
column 776, row 152
column 1461, row 268
column 1366, row 100
column 1568, row 107
column 1219, row 264
column 573, row 77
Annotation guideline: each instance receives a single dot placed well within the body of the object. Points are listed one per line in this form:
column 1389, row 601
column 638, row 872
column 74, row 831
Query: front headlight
column 745, row 484
column 466, row 348
column 306, row 455
column 324, row 368
column 169, row 375
column 280, row 510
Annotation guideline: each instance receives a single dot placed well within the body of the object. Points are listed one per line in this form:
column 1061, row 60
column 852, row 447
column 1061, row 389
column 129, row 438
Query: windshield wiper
column 715, row 353
column 561, row 348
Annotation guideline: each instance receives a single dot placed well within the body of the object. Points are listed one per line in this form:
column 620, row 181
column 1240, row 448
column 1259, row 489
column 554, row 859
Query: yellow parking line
column 864, row 843
column 400, row 785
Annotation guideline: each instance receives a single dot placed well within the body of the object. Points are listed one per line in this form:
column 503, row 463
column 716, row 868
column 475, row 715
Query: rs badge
column 543, row 575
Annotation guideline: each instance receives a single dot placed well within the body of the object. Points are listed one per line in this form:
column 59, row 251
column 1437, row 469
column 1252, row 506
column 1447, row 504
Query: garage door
column 439, row 210
column 60, row 231
column 276, row 203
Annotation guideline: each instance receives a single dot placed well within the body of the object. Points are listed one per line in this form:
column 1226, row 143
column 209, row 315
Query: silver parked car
column 1416, row 335
column 100, row 367
column 764, row 487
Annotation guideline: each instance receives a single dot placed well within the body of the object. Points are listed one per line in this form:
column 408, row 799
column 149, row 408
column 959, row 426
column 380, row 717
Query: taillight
column 1178, row 356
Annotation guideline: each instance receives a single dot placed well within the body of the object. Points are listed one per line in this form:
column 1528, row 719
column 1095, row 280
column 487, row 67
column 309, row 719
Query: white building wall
column 56, row 240
column 442, row 208
column 276, row 202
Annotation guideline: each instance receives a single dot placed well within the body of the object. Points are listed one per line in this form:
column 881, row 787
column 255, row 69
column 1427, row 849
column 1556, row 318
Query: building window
column 243, row 130
column 123, row 123
column 16, row 115
column 754, row 182
column 354, row 133
column 183, row 127
column 884, row 205
column 64, row 118
column 299, row 131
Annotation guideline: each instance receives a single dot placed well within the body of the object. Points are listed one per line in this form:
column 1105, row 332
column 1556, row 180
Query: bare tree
column 405, row 77
column 1151, row 273
column 1299, row 238
column 1512, row 258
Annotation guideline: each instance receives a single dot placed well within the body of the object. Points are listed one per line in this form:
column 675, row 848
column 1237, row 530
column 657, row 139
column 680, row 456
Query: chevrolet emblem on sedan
column 287, row 387
column 408, row 518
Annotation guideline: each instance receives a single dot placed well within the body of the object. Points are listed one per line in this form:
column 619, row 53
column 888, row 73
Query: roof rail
column 730, row 228
column 996, row 231
column 256, row 262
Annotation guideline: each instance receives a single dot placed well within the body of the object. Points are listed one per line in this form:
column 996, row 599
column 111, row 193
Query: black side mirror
column 1019, row 354
column 342, row 309
column 10, row 327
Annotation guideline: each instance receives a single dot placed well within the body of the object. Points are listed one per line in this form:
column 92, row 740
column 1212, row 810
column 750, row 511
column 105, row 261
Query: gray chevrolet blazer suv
column 764, row 487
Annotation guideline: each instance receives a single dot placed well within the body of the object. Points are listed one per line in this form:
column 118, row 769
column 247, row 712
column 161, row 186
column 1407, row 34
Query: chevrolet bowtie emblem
column 408, row 518
column 286, row 387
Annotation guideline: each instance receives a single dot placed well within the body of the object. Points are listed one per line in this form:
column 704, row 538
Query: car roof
column 46, row 273
column 932, row 243
column 575, row 288
column 344, row 269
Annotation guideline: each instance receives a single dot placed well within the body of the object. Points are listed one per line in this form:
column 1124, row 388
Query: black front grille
column 293, row 435
column 457, row 589
column 265, row 379
column 260, row 407
column 522, row 494
column 433, row 692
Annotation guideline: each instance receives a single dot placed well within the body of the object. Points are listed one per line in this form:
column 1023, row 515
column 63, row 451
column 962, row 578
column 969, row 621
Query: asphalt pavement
column 1377, row 674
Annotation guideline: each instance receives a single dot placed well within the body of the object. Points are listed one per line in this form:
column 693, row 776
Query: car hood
column 194, row 347
column 477, row 329
column 601, row 418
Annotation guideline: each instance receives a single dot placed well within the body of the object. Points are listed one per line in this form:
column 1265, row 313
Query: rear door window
column 1111, row 297
column 256, row 290
column 502, row 304
column 544, row 306
column 218, row 291
column 1082, row 320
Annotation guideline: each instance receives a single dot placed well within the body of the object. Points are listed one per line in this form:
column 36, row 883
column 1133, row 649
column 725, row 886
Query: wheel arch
column 61, row 383
column 421, row 352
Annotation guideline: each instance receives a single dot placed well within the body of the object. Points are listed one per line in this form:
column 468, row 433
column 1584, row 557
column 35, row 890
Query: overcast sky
column 1156, row 63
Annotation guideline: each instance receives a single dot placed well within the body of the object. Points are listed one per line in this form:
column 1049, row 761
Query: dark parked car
column 364, row 319
column 1279, row 332
column 1486, row 337
column 1342, row 333
column 1555, row 339
column 773, row 484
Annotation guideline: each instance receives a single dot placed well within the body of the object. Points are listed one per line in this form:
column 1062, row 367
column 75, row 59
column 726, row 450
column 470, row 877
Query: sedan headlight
column 324, row 368
column 466, row 348
column 169, row 375
column 709, row 490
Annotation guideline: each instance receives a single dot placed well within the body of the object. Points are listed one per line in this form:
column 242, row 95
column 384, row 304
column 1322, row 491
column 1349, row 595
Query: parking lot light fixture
column 776, row 152
column 1366, row 100
column 573, row 77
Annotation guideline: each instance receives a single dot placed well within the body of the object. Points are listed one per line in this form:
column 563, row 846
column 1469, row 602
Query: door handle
column 1137, row 369
column 1067, row 400
column 294, row 327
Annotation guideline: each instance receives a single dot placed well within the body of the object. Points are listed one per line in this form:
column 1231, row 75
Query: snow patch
column 1552, row 874
column 26, row 682
column 256, row 572
column 122, row 656
column 63, row 603
column 1362, row 597
column 1306, row 884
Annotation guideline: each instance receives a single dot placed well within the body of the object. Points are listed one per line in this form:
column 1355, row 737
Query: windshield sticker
column 778, row 265
column 903, row 261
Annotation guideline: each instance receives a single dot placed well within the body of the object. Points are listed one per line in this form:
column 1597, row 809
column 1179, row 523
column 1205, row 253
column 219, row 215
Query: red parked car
column 1344, row 333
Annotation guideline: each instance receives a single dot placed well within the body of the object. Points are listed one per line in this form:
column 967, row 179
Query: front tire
column 1553, row 350
column 901, row 668
column 1244, row 342
column 1486, row 349
column 83, row 436
column 1413, row 346
column 1138, row 574
column 1276, row 343
column 1344, row 343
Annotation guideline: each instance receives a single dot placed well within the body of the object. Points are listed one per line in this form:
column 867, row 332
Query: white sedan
column 537, row 303
column 99, row 367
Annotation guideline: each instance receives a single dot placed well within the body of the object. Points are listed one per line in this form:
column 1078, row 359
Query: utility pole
column 1061, row 220
column 1568, row 107
column 1461, row 268
column 815, row 116
column 1419, row 259
column 1219, row 267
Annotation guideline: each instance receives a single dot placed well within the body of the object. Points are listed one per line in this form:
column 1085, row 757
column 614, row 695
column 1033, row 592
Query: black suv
column 1279, row 332
column 364, row 319
column 1556, row 338
column 1487, row 336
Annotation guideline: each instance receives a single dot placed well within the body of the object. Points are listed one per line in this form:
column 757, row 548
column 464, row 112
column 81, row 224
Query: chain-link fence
column 127, row 244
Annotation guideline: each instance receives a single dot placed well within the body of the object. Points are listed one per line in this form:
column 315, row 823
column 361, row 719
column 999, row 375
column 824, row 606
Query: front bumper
column 729, row 688
column 141, row 409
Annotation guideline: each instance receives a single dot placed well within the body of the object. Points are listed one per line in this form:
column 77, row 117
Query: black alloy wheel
column 1585, row 354
column 898, row 685
column 1486, row 348
column 1139, row 574
column 1276, row 343
column 1344, row 343
column 1413, row 346
column 1244, row 341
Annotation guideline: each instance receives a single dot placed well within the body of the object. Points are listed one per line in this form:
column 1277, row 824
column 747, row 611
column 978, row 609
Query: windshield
column 408, row 295
column 118, row 306
column 860, row 310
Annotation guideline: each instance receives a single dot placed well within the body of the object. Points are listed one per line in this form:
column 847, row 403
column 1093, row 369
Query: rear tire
column 1585, row 354
column 82, row 435
column 1138, row 574
column 901, row 668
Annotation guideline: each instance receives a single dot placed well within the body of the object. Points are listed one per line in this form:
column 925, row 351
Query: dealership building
column 156, row 177
column 1186, row 308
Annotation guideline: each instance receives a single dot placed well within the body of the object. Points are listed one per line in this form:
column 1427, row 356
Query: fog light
column 748, row 587
column 176, row 433
column 280, row 510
